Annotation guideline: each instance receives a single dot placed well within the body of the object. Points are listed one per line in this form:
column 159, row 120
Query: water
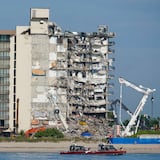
column 53, row 156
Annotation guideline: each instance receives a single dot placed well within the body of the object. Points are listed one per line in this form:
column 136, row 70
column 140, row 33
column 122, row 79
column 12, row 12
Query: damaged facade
column 62, row 78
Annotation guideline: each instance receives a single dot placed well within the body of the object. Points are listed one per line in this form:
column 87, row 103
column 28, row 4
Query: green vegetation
column 148, row 132
column 141, row 132
column 50, row 132
column 149, row 123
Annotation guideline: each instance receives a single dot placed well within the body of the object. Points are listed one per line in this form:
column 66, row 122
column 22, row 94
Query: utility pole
column 17, row 116
column 152, row 100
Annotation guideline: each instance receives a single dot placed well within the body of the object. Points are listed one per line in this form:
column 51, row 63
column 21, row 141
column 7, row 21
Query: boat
column 76, row 149
column 103, row 149
column 108, row 149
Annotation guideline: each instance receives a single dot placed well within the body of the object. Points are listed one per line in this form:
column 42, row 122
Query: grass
column 48, row 139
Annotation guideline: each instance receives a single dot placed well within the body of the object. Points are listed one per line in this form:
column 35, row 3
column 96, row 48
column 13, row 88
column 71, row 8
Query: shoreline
column 56, row 147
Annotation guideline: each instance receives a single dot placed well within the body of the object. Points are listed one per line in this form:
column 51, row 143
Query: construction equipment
column 57, row 112
column 145, row 91
column 32, row 131
column 114, row 105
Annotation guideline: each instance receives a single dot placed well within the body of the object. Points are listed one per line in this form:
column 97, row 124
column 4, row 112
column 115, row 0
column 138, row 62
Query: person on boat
column 77, row 148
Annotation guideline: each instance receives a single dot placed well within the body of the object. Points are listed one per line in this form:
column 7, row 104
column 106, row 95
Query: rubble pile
column 98, row 127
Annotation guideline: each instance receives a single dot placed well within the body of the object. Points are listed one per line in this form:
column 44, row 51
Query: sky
column 137, row 27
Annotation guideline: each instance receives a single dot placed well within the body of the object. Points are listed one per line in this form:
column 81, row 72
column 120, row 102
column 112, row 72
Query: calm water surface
column 53, row 156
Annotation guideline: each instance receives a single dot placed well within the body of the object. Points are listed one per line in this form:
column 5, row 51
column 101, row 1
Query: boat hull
column 118, row 152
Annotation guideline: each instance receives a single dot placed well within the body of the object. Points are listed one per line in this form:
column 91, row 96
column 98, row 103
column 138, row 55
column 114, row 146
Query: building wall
column 23, row 76
column 12, row 94
column 40, row 66
column 6, row 79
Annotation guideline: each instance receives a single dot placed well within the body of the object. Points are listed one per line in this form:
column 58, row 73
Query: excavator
column 57, row 111
column 57, row 115
column 134, row 117
column 114, row 105
column 32, row 131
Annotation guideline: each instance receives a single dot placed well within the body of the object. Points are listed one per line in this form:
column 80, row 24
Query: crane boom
column 129, row 84
column 141, row 89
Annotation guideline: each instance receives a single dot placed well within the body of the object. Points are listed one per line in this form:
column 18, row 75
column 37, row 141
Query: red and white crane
column 146, row 92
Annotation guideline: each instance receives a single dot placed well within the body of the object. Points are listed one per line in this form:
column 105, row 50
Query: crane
column 114, row 109
column 145, row 91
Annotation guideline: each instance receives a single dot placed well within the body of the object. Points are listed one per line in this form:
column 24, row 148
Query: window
column 2, row 123
column 4, row 38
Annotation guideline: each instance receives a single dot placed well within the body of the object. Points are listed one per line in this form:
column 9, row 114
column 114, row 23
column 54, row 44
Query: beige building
column 55, row 75
column 7, row 80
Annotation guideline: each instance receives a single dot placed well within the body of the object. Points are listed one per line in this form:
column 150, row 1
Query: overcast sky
column 137, row 26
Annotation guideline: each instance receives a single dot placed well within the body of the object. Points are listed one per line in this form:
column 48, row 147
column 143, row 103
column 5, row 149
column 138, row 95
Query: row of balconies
column 6, row 100
column 4, row 116
column 101, row 33
column 3, row 66
column 6, row 109
column 6, row 83
column 95, row 88
column 84, row 102
column 5, row 49
column 4, row 91
column 4, row 57
column 87, row 60
column 4, row 75
column 93, row 50
column 95, row 110
column 97, row 34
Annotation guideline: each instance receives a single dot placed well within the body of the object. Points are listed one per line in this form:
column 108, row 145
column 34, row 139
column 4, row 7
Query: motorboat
column 108, row 149
column 103, row 149
column 76, row 149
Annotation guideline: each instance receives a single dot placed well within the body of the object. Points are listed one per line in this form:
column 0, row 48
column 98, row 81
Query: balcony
column 111, row 43
column 4, row 100
column 4, row 49
column 110, row 51
column 111, row 68
column 4, row 91
column 4, row 57
column 4, row 66
column 4, row 75
column 111, row 34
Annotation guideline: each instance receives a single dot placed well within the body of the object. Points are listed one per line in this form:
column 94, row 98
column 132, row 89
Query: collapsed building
column 63, row 78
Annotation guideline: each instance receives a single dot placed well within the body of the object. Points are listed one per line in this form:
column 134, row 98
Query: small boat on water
column 76, row 149
column 103, row 149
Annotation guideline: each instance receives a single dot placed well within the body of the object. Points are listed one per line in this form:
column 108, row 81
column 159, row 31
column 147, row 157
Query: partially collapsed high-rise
column 57, row 75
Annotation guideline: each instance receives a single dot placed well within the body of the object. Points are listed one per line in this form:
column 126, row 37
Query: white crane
column 145, row 91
